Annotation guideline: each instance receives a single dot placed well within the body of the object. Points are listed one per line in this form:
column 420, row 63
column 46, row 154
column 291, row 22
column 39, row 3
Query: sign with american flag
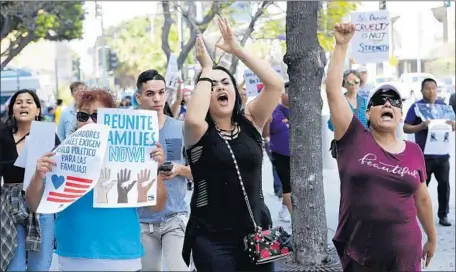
column 73, row 189
column 79, row 160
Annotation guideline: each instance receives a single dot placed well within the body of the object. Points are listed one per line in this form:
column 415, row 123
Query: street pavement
column 444, row 259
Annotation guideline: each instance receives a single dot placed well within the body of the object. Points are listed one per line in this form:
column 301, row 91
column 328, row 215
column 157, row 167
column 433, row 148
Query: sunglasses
column 352, row 82
column 382, row 96
column 84, row 116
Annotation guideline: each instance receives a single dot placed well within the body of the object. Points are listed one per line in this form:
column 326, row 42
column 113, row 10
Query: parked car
column 449, row 83
column 383, row 79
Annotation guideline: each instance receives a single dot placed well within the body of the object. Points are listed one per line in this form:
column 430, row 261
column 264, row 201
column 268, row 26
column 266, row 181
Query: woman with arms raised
column 217, row 133
column 382, row 179
column 88, row 238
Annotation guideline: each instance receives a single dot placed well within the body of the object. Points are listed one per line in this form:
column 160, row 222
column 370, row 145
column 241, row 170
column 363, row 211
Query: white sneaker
column 284, row 215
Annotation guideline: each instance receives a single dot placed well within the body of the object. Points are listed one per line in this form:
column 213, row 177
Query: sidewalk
column 444, row 259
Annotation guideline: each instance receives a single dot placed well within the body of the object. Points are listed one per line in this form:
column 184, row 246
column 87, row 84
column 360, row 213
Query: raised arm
column 176, row 106
column 258, row 110
column 195, row 124
column 341, row 114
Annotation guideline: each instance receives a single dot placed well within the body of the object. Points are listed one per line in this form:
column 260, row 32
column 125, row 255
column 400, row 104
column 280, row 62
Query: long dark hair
column 167, row 110
column 238, row 116
column 11, row 123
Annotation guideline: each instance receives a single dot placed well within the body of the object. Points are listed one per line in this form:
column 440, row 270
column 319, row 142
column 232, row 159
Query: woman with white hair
column 383, row 188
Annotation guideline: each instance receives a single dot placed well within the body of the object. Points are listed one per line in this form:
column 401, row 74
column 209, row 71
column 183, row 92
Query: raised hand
column 144, row 184
column 230, row 43
column 123, row 188
column 343, row 33
column 103, row 186
column 201, row 53
column 179, row 94
column 44, row 165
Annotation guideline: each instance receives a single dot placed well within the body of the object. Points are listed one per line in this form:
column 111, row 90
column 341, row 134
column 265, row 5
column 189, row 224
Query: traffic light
column 76, row 68
column 447, row 4
column 112, row 60
column 382, row 5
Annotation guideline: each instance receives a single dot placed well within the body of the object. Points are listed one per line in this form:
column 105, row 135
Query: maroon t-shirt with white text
column 377, row 214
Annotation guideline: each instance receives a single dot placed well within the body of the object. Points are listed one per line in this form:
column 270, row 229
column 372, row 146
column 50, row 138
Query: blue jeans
column 277, row 182
column 34, row 260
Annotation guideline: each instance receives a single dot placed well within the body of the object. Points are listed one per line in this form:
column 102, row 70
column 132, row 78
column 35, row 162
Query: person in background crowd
column 27, row 240
column 278, row 190
column 44, row 105
column 279, row 130
column 4, row 113
column 439, row 165
column 453, row 102
column 58, row 111
column 383, row 190
column 68, row 120
column 364, row 86
column 88, row 238
column 350, row 81
column 243, row 92
column 225, row 149
column 186, row 95
column 162, row 233
column 125, row 103
column 176, row 106
column 50, row 114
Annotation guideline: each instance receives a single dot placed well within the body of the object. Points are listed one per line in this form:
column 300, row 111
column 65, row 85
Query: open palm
column 230, row 43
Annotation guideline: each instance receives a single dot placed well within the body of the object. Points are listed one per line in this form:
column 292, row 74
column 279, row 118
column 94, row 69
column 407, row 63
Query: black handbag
column 263, row 246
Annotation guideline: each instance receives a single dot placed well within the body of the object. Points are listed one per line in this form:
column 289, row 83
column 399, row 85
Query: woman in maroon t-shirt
column 382, row 179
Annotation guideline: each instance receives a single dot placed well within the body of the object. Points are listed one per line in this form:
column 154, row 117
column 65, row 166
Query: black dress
column 9, row 155
column 219, row 218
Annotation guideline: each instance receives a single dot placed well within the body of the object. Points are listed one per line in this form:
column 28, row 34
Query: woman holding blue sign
column 224, row 149
column 27, row 238
column 88, row 238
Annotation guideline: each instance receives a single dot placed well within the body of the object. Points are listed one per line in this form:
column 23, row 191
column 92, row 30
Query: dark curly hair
column 238, row 115
column 11, row 123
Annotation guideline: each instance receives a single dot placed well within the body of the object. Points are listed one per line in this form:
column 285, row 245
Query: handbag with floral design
column 263, row 246
column 268, row 245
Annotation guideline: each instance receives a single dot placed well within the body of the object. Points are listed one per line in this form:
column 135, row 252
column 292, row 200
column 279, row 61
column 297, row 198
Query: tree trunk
column 306, row 61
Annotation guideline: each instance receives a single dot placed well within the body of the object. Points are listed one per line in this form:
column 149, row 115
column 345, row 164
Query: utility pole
column 380, row 67
column 104, row 76
column 418, row 57
column 441, row 14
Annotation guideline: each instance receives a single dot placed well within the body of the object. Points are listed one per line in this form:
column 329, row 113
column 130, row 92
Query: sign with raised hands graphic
column 129, row 173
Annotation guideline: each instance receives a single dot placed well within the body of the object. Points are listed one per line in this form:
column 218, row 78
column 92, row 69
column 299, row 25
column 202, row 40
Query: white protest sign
column 253, row 84
column 172, row 73
column 438, row 138
column 40, row 141
column 129, row 175
column 21, row 160
column 370, row 43
column 79, row 159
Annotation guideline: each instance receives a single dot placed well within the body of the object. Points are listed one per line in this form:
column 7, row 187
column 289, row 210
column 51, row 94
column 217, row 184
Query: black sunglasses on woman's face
column 380, row 99
column 84, row 116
